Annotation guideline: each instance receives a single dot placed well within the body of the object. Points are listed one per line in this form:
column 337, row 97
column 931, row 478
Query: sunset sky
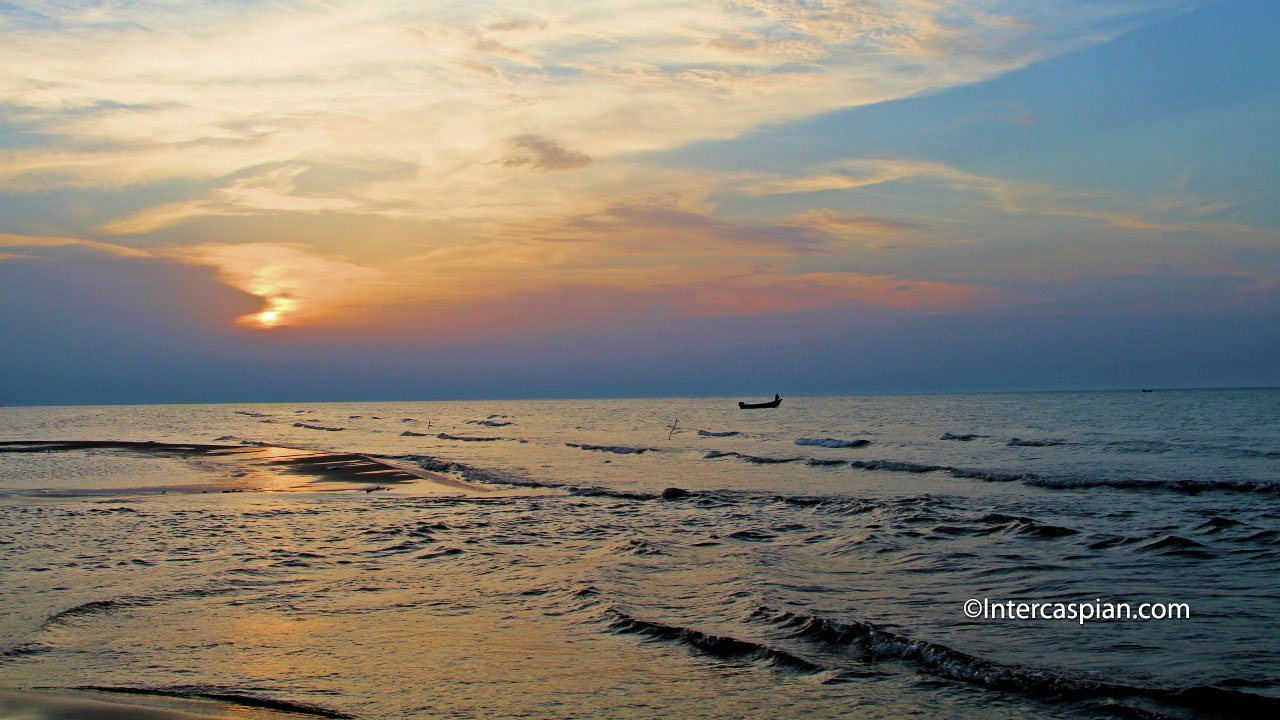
column 216, row 201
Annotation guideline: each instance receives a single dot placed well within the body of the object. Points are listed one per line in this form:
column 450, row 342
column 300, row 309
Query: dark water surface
column 816, row 561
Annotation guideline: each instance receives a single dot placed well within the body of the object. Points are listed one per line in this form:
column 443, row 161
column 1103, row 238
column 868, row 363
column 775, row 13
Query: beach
column 641, row 558
column 125, row 705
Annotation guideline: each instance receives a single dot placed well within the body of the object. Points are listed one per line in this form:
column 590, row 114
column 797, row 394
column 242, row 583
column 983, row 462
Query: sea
column 838, row 556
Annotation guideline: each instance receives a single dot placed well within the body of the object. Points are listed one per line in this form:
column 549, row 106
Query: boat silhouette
column 775, row 402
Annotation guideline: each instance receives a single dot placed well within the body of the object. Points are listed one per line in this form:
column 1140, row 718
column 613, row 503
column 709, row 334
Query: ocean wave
column 410, row 433
column 489, row 423
column 1181, row 486
column 1249, row 452
column 875, row 643
column 963, row 437
column 1026, row 526
column 590, row 491
column 446, row 551
column 21, row 650
column 616, row 449
column 1062, row 482
column 467, row 438
column 491, row 476
column 1217, row 524
column 718, row 646
column 214, row 693
column 249, row 414
column 1174, row 545
column 726, row 433
column 827, row 504
column 756, row 459
column 1019, row 442
column 1269, row 537
column 635, row 546
column 94, row 607
column 467, row 472
column 752, row 535
column 895, row 466
column 317, row 427
column 832, row 442
column 989, row 475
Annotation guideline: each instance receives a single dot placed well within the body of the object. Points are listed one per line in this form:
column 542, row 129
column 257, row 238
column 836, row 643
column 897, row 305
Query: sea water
column 665, row 557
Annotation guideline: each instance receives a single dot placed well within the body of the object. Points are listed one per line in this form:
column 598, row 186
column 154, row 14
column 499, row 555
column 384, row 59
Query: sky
column 291, row 201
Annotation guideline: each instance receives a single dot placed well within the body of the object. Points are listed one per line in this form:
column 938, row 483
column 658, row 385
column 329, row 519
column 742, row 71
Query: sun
column 278, row 310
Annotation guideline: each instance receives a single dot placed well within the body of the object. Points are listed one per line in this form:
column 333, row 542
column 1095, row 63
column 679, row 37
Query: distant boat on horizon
column 775, row 402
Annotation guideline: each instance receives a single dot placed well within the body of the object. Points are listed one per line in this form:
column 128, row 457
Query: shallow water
column 826, row 577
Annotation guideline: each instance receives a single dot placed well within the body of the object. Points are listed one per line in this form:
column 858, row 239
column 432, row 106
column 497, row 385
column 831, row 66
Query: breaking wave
column 833, row 443
column 895, row 466
column 756, row 459
column 466, row 438
column 317, row 427
column 719, row 646
column 875, row 643
column 1179, row 486
column 467, row 472
column 616, row 449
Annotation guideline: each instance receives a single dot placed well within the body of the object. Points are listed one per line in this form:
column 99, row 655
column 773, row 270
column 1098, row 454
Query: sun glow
column 296, row 287
column 278, row 310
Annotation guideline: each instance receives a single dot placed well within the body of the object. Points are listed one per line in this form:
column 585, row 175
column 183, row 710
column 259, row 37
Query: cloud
column 653, row 229
column 38, row 241
column 851, row 225
column 519, row 24
column 296, row 287
column 513, row 148
column 543, row 154
column 208, row 92
column 774, row 292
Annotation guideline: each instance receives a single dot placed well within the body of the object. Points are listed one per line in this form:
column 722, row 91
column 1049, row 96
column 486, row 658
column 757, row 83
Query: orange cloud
column 762, row 293
column 40, row 241
column 295, row 286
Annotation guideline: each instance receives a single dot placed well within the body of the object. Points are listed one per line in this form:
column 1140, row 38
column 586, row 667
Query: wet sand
column 94, row 705
column 249, row 468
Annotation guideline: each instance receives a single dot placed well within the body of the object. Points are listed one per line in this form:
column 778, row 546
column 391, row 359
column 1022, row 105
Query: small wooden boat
column 775, row 402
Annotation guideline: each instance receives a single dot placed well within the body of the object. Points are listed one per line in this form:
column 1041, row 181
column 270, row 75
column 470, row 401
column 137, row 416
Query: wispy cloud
column 10, row 240
column 516, row 137
column 543, row 154
column 296, row 286
column 156, row 91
